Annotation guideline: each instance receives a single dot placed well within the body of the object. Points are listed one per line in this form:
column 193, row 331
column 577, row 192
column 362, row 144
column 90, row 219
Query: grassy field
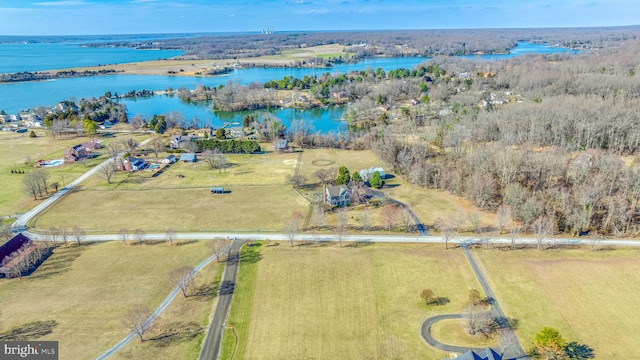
column 590, row 297
column 191, row 67
column 259, row 198
column 20, row 152
column 454, row 332
column 80, row 294
column 245, row 208
column 328, row 302
column 179, row 331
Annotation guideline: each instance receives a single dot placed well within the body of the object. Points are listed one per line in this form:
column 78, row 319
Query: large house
column 485, row 354
column 337, row 195
column 14, row 255
column 75, row 153
column 131, row 163
column 81, row 151
column 366, row 174
column 170, row 159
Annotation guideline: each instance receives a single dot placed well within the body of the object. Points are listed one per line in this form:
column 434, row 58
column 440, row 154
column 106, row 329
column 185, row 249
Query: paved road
column 213, row 339
column 426, row 334
column 510, row 347
column 20, row 224
column 158, row 310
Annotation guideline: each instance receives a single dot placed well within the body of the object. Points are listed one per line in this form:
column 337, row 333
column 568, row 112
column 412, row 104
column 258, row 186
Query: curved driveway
column 426, row 334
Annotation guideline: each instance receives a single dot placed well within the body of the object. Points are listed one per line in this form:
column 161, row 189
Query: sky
column 95, row 17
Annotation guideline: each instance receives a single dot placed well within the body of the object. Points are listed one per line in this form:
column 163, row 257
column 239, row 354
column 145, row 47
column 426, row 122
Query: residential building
column 170, row 159
column 14, row 255
column 366, row 174
column 337, row 195
column 188, row 157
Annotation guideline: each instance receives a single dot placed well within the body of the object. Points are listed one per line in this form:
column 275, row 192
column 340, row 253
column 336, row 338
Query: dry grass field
column 453, row 332
column 245, row 208
column 191, row 67
column 179, row 331
column 590, row 297
column 80, row 294
column 19, row 151
column 327, row 302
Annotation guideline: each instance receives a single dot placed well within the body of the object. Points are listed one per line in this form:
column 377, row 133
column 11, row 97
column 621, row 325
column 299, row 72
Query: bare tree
column 215, row 159
column 217, row 247
column 182, row 278
column 542, row 227
column 129, row 144
column 107, row 171
column 136, row 122
column 339, row 231
column 365, row 219
column 35, row 182
column 114, row 149
column 123, row 234
column 170, row 235
column 137, row 320
column 292, row 226
column 78, row 234
column 54, row 233
column 296, row 180
column 474, row 219
column 64, row 235
column 503, row 217
column 157, row 145
column 514, row 233
column 390, row 215
column 325, row 175
column 406, row 219
column 139, row 235
column 480, row 322
column 448, row 229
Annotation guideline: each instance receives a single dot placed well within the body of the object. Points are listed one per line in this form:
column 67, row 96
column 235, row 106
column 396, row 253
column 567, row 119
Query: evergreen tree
column 356, row 177
column 343, row 176
column 376, row 180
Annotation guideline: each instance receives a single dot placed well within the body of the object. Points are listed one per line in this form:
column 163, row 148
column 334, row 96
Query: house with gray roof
column 337, row 195
column 188, row 157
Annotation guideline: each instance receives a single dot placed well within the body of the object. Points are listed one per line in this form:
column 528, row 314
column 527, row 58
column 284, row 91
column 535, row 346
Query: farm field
column 79, row 295
column 20, row 151
column 258, row 198
column 588, row 296
column 245, row 208
column 357, row 302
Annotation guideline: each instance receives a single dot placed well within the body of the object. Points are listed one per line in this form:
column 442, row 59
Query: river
column 15, row 97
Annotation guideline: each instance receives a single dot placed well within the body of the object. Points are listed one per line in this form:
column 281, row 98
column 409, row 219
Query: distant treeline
column 38, row 76
column 388, row 43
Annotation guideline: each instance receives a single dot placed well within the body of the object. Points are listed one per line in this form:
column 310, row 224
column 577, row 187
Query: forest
column 546, row 140
column 385, row 43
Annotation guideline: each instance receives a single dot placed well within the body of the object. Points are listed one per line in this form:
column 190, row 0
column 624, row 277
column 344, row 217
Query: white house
column 366, row 174
column 337, row 195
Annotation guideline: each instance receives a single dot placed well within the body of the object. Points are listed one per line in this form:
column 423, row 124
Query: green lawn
column 328, row 302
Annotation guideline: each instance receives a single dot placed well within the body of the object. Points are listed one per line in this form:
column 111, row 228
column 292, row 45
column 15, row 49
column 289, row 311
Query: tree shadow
column 175, row 333
column 248, row 257
column 575, row 350
column 185, row 242
column 57, row 264
column 30, row 331
column 359, row 244
column 440, row 300
column 226, row 288
column 207, row 291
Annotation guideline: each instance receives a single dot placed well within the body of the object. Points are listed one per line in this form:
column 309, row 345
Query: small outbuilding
column 217, row 190
column 169, row 159
column 188, row 157
column 366, row 174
